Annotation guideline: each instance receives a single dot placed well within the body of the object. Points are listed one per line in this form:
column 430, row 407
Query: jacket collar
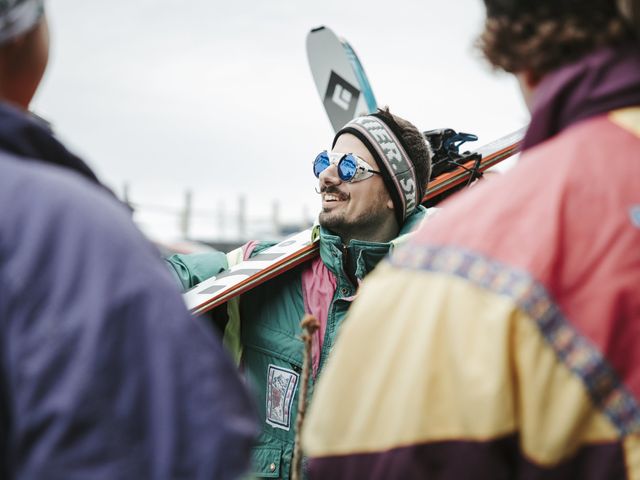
column 30, row 138
column 604, row 80
column 362, row 255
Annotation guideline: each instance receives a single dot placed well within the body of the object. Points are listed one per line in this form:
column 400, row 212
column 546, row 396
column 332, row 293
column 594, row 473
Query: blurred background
column 203, row 114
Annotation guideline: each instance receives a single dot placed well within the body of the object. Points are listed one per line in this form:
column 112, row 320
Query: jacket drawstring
column 309, row 326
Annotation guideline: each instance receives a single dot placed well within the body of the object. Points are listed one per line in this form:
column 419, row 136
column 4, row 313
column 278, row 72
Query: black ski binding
column 446, row 143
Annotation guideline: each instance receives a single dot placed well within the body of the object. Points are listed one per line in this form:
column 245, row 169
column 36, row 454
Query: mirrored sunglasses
column 351, row 168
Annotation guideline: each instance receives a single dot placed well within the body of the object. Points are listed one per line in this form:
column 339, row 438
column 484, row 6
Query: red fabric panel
column 563, row 215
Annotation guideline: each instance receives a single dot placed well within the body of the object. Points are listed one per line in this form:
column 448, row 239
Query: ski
column 342, row 84
column 457, row 168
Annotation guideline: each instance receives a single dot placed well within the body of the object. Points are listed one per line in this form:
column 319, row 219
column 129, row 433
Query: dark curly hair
column 418, row 149
column 542, row 35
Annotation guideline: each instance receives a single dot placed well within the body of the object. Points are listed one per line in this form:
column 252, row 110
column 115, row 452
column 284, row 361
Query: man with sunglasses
column 371, row 184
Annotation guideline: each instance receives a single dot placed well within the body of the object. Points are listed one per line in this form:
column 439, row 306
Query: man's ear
column 390, row 204
column 528, row 82
column 531, row 78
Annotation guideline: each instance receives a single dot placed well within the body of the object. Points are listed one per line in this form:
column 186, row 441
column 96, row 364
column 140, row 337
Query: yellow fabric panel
column 407, row 391
column 632, row 456
column 231, row 337
column 556, row 415
column 410, row 367
column 627, row 118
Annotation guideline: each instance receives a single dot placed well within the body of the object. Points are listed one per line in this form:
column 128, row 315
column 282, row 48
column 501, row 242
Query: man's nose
column 329, row 176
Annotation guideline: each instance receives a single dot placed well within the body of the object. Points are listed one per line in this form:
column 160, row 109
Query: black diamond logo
column 340, row 101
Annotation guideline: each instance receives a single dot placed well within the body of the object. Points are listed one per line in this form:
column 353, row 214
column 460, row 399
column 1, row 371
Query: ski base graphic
column 252, row 272
column 340, row 79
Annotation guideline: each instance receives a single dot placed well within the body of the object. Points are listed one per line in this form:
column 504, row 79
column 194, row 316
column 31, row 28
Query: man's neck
column 380, row 235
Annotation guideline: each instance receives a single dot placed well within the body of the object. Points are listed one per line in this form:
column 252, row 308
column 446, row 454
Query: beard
column 361, row 226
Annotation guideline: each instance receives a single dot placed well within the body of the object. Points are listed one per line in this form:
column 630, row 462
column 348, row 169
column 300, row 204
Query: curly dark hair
column 542, row 35
column 630, row 10
column 417, row 148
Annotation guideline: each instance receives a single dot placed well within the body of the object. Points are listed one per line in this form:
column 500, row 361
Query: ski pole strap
column 398, row 172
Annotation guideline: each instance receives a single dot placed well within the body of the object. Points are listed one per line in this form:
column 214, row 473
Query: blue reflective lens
column 347, row 167
column 321, row 163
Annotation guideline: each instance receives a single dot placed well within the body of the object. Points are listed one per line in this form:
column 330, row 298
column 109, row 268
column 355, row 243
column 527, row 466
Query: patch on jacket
column 635, row 215
column 281, row 387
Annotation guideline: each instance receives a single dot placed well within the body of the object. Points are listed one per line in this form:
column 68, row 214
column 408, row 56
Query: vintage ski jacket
column 270, row 315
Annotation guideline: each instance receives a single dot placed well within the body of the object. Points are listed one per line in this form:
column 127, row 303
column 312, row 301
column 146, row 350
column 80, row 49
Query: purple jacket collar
column 602, row 81
column 31, row 138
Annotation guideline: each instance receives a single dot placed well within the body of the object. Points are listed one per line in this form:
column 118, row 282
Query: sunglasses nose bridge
column 331, row 173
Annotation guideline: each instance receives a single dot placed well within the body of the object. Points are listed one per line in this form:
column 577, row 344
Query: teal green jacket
column 269, row 330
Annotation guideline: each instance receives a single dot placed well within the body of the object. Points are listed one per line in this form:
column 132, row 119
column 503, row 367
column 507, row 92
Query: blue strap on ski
column 363, row 81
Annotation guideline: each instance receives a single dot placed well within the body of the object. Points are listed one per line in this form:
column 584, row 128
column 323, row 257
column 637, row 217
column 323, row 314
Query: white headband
column 396, row 167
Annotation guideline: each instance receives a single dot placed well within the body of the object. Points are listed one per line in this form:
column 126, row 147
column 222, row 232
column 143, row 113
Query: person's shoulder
column 525, row 190
column 31, row 184
column 56, row 193
column 51, row 212
column 575, row 182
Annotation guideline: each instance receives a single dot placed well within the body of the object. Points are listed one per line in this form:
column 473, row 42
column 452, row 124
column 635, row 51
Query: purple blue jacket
column 103, row 373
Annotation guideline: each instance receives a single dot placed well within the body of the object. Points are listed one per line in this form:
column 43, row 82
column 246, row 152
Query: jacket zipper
column 345, row 267
column 325, row 349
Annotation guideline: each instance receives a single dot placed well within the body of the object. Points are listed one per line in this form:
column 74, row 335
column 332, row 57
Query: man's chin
column 323, row 219
column 330, row 220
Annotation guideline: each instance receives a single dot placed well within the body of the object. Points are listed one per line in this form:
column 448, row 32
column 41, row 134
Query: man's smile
column 333, row 198
column 330, row 197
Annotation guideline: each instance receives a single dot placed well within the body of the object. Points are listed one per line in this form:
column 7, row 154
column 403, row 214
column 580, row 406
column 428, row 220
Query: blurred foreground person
column 103, row 373
column 371, row 184
column 503, row 341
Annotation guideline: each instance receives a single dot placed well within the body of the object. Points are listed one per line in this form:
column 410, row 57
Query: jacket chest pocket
column 276, row 345
column 265, row 462
column 272, row 364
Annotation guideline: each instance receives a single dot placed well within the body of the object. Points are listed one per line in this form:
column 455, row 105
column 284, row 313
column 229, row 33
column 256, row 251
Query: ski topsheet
column 339, row 77
column 299, row 248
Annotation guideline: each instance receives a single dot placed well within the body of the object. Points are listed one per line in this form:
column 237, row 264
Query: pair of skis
column 345, row 91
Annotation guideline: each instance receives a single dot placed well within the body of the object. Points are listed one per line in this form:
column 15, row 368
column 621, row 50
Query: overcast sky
column 217, row 97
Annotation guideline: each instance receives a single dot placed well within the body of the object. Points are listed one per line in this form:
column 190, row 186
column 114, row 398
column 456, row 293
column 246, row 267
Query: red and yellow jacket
column 506, row 344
